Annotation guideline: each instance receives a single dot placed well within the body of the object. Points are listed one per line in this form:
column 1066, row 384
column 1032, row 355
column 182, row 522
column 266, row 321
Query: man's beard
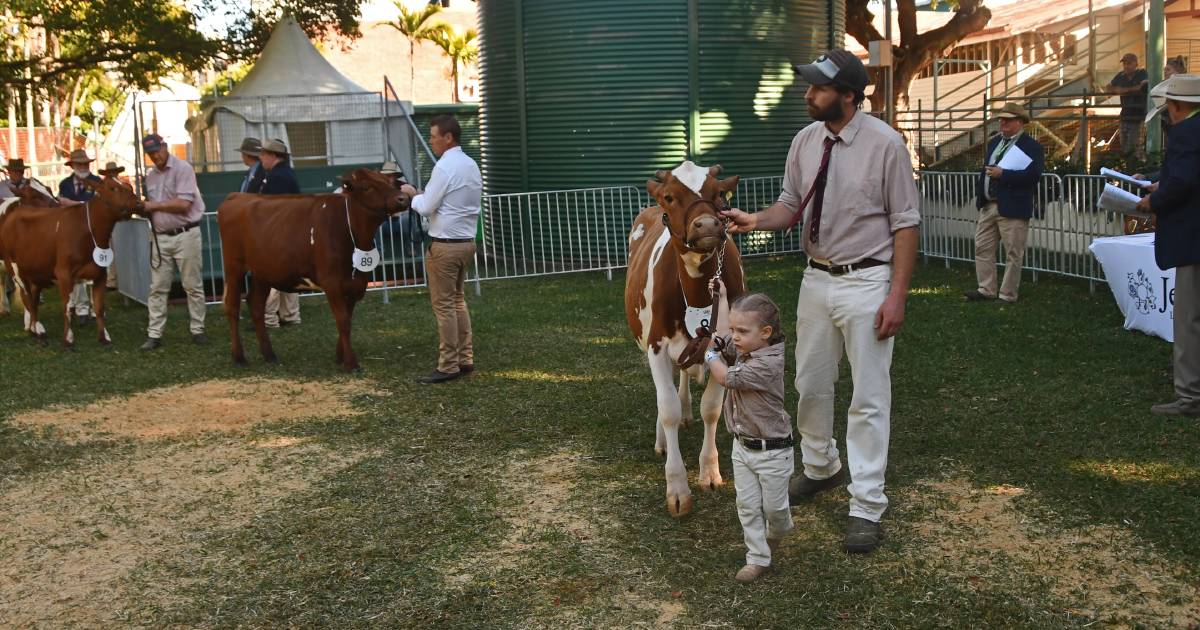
column 832, row 113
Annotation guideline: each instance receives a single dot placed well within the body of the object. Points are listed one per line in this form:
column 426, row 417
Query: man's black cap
column 839, row 67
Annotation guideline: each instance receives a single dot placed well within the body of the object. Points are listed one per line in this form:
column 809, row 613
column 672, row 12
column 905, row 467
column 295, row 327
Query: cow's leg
column 685, row 399
column 343, row 308
column 710, row 412
column 232, row 299
column 258, row 309
column 99, row 290
column 32, row 296
column 679, row 497
column 65, row 289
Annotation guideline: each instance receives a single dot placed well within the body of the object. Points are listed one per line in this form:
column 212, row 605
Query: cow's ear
column 90, row 183
column 715, row 170
column 653, row 188
column 729, row 184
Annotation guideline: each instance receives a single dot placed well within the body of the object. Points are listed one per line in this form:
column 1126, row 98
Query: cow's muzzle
column 403, row 203
column 705, row 232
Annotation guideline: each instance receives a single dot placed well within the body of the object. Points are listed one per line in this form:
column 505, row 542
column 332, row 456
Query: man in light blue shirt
column 451, row 201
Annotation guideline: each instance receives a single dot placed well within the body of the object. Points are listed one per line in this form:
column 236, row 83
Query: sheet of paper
column 1015, row 160
column 1128, row 179
column 1117, row 200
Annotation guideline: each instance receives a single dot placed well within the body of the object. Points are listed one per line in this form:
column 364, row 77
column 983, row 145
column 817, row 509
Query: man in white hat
column 1175, row 202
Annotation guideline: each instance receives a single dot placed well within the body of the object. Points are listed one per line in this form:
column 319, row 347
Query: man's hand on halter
column 740, row 222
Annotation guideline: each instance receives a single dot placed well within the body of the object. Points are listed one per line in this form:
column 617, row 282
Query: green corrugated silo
column 582, row 93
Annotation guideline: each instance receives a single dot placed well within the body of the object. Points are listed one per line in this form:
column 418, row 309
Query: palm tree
column 459, row 47
column 417, row 26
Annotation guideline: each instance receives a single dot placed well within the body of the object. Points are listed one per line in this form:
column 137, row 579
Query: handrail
column 388, row 89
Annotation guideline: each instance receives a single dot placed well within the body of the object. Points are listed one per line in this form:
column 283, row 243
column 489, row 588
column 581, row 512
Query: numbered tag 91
column 102, row 257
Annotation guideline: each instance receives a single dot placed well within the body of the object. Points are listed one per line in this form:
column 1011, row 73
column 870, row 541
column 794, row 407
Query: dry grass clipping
column 1104, row 571
column 222, row 405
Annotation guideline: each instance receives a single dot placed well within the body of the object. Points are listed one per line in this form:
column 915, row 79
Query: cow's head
column 31, row 196
column 375, row 191
column 117, row 196
column 691, row 197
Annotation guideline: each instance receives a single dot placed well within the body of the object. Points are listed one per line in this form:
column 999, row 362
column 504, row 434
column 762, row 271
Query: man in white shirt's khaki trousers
column 451, row 202
column 860, row 234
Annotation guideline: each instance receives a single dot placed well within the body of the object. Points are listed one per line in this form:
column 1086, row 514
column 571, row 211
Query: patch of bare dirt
column 1105, row 571
column 69, row 539
column 221, row 405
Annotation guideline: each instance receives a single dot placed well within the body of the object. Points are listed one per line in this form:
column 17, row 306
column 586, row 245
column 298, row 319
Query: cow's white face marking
column 691, row 175
column 638, row 231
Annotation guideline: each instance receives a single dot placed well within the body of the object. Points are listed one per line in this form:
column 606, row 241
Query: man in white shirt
column 451, row 202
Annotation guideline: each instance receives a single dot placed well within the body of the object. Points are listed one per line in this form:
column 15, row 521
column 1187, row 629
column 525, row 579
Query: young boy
column 763, row 458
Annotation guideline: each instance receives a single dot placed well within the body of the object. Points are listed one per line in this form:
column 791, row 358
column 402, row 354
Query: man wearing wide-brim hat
column 283, row 309
column 15, row 169
column 251, row 150
column 111, row 170
column 74, row 188
column 1175, row 202
column 1005, row 198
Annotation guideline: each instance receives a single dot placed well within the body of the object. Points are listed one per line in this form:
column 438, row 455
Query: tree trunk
column 454, row 76
column 916, row 51
column 412, row 71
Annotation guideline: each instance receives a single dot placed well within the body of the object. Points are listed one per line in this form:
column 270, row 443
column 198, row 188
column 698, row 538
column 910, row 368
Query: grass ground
column 1030, row 486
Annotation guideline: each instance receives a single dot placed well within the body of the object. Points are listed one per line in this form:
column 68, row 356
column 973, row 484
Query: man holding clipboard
column 1004, row 194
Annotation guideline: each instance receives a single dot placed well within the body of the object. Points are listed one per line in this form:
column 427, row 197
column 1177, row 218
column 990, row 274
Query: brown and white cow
column 673, row 250
column 284, row 240
column 64, row 245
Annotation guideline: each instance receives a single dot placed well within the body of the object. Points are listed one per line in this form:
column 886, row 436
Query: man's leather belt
column 179, row 230
column 452, row 240
column 761, row 444
column 837, row 270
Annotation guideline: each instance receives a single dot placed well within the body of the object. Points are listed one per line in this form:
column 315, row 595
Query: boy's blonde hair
column 766, row 311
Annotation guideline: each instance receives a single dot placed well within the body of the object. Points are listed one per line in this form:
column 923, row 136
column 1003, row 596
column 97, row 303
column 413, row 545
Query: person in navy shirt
column 1175, row 202
column 279, row 178
column 73, row 187
column 283, row 309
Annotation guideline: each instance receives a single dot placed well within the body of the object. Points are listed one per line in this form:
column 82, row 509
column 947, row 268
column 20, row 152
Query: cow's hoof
column 272, row 359
column 43, row 341
column 70, row 348
column 679, row 506
column 105, row 342
column 356, row 370
column 709, row 485
column 240, row 363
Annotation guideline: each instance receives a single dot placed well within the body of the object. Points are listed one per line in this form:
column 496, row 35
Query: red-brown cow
column 64, row 245
column 282, row 240
column 673, row 253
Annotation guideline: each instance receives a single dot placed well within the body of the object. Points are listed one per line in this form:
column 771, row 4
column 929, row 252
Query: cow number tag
column 365, row 261
column 694, row 318
column 102, row 257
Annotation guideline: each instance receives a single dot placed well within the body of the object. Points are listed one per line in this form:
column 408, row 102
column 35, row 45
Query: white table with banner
column 1145, row 293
